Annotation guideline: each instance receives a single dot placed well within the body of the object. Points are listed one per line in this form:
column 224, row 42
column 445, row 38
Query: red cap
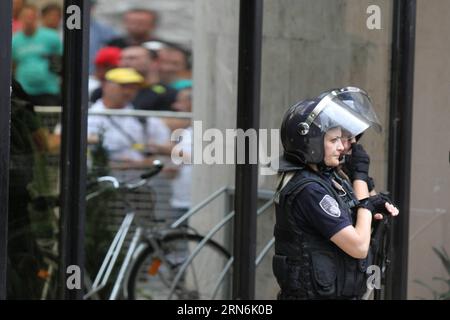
column 108, row 56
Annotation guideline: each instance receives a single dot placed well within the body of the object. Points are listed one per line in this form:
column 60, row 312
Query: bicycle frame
column 115, row 248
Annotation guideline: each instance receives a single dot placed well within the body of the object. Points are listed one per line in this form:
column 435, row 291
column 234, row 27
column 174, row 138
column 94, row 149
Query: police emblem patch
column 330, row 206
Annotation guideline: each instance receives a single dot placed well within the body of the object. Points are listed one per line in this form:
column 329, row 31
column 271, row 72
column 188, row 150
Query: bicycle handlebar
column 45, row 202
column 157, row 167
column 111, row 179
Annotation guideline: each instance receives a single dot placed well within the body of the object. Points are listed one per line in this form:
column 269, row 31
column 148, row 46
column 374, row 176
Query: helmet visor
column 332, row 112
column 359, row 102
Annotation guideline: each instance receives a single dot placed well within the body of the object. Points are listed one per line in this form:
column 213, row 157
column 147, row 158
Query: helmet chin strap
column 322, row 167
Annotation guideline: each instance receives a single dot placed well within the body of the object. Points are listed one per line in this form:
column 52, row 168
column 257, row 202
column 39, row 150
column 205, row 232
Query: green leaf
column 432, row 290
column 443, row 256
column 444, row 296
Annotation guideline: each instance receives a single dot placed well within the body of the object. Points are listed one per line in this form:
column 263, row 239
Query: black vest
column 309, row 266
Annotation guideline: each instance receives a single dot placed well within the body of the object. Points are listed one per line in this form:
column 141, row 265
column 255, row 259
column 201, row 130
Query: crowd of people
column 133, row 70
column 129, row 70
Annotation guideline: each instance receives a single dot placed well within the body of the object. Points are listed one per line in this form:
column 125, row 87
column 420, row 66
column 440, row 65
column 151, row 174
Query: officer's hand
column 379, row 206
column 389, row 205
column 393, row 211
column 358, row 163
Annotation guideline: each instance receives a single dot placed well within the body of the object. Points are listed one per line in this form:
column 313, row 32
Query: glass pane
column 34, row 163
column 313, row 46
column 140, row 60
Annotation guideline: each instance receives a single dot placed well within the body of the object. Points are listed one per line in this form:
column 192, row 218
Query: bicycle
column 170, row 262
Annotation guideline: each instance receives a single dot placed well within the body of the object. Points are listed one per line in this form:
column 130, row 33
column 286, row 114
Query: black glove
column 358, row 163
column 375, row 204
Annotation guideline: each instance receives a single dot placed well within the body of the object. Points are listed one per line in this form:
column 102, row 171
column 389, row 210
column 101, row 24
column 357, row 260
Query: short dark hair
column 51, row 7
column 187, row 53
column 148, row 11
column 30, row 7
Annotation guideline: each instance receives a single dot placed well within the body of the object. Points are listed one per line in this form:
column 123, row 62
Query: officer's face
column 333, row 147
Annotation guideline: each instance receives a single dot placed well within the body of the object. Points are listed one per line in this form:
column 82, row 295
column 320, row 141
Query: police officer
column 322, row 233
column 380, row 233
column 358, row 101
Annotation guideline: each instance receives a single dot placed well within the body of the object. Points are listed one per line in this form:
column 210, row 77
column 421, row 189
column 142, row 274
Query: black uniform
column 310, row 209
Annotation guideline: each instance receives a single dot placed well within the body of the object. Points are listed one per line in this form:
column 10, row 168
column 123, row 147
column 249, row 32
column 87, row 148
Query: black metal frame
column 400, row 136
column 248, row 105
column 5, row 116
column 73, row 147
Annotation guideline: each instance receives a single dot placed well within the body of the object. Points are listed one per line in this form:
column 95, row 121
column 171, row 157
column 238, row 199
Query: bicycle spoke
column 198, row 280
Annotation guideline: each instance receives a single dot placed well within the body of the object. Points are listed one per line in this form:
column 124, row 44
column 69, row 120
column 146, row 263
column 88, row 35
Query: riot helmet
column 305, row 124
column 359, row 101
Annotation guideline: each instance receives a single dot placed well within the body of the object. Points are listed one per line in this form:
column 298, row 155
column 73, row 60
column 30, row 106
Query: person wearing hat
column 351, row 147
column 354, row 165
column 322, row 233
column 125, row 137
column 107, row 58
column 99, row 35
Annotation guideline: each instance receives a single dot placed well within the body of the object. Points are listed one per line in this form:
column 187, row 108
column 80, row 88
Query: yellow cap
column 124, row 76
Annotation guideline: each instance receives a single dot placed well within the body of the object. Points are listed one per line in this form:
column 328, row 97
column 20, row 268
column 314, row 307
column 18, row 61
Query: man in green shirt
column 36, row 54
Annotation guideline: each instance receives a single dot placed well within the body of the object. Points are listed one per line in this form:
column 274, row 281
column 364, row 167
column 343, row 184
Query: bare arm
column 355, row 240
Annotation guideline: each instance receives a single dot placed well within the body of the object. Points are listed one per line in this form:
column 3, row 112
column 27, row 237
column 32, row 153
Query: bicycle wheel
column 154, row 271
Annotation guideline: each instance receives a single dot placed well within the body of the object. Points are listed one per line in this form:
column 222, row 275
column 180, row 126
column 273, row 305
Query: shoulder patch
column 330, row 206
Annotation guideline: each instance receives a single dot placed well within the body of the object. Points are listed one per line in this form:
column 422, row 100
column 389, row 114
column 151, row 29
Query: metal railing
column 120, row 112
column 229, row 191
